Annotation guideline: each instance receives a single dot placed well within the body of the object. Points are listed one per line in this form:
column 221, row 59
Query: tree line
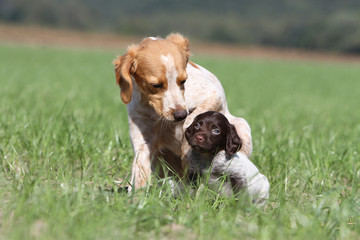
column 311, row 24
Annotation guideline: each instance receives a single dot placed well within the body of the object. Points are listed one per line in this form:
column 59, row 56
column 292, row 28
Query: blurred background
column 322, row 25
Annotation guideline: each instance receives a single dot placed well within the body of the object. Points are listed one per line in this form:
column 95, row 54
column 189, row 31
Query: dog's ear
column 233, row 142
column 125, row 66
column 182, row 42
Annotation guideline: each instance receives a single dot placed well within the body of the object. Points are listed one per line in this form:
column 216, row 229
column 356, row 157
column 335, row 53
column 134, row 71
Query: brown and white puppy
column 211, row 132
column 164, row 92
column 213, row 156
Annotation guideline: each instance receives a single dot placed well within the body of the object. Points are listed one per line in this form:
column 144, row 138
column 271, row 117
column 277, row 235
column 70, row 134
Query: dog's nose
column 200, row 138
column 180, row 115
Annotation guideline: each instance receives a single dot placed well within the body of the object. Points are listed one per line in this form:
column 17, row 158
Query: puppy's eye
column 216, row 131
column 158, row 85
column 182, row 82
column 197, row 126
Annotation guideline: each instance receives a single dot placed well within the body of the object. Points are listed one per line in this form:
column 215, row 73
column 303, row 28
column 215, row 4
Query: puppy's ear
column 233, row 142
column 182, row 42
column 125, row 66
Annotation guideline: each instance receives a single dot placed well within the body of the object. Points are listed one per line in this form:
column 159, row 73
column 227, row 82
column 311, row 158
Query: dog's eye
column 216, row 131
column 158, row 85
column 197, row 126
column 182, row 82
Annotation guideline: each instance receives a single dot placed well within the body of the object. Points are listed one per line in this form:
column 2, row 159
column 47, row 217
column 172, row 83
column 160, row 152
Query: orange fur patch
column 143, row 63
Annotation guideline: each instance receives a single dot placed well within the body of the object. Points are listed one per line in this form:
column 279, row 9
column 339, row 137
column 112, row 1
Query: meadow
column 64, row 149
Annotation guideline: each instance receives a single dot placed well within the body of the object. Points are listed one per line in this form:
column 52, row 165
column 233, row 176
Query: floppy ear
column 125, row 66
column 233, row 142
column 182, row 42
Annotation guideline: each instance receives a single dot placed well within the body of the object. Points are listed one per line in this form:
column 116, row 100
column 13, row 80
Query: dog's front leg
column 185, row 150
column 215, row 103
column 141, row 165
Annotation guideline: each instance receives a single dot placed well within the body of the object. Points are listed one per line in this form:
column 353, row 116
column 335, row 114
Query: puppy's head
column 158, row 67
column 211, row 132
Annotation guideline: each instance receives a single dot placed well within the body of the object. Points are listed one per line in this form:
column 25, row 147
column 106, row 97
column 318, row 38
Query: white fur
column 255, row 184
column 173, row 95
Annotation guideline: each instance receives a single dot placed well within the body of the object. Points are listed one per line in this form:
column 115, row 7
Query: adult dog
column 164, row 92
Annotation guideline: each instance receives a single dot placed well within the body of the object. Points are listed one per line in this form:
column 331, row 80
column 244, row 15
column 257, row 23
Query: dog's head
column 158, row 67
column 211, row 132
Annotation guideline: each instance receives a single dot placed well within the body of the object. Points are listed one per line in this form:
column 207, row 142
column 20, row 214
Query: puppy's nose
column 200, row 138
column 180, row 114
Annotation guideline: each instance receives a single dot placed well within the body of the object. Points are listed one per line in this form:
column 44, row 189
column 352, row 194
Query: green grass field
column 64, row 141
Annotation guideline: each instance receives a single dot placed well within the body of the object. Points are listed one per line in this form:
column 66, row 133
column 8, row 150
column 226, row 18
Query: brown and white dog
column 164, row 92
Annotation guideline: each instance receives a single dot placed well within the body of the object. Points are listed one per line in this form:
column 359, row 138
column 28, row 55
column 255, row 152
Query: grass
column 64, row 141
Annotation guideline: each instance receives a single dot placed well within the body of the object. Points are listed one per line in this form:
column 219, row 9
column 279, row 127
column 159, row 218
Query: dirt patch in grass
column 42, row 36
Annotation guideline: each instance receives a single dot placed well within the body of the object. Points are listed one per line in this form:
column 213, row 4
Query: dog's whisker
column 161, row 124
column 165, row 126
column 157, row 121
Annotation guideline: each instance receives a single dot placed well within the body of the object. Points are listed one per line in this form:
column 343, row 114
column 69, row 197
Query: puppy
column 214, row 153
